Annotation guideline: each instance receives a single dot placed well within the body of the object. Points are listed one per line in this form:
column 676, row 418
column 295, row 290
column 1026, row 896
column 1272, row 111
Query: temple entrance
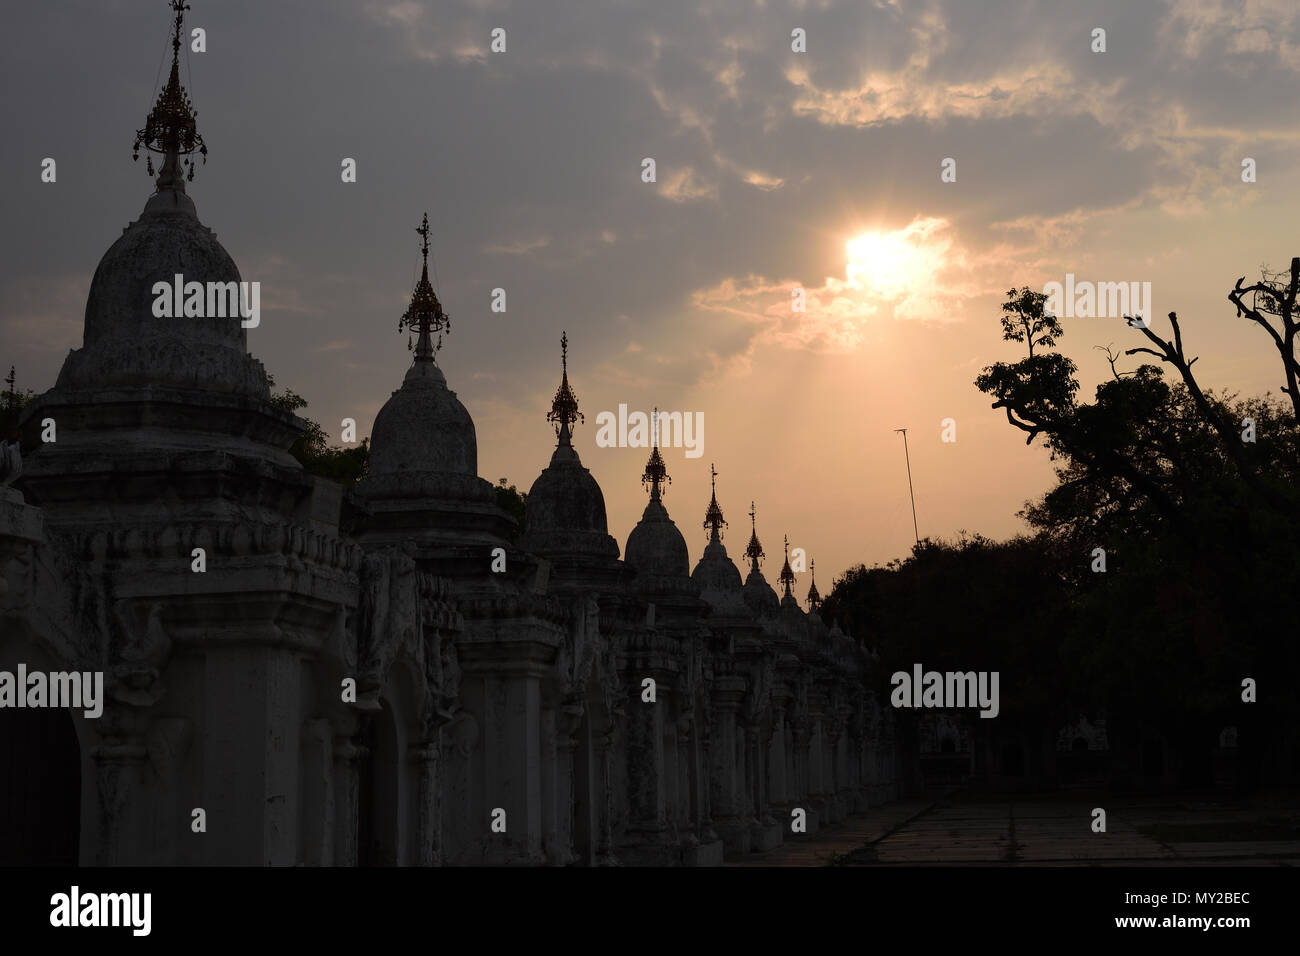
column 377, row 805
column 40, row 788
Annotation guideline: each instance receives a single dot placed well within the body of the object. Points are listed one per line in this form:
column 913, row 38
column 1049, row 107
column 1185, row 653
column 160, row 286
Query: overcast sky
column 1115, row 166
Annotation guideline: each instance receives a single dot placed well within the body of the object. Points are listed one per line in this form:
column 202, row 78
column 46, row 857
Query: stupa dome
column 423, row 428
column 716, row 571
column 126, row 344
column 655, row 546
column 565, row 511
column 565, row 497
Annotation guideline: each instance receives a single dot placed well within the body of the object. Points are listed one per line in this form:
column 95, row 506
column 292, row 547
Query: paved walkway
column 823, row 847
column 1046, row 830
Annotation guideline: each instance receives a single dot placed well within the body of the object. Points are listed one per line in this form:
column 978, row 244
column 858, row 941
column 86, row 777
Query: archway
column 377, row 803
column 40, row 788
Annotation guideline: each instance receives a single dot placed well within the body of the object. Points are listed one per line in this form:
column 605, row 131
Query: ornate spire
column 814, row 599
column 713, row 517
column 656, row 473
column 564, row 407
column 787, row 576
column 9, row 420
column 424, row 315
column 170, row 129
column 754, row 550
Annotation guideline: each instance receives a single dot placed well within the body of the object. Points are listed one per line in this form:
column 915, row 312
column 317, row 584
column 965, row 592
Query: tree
column 512, row 501
column 343, row 465
column 973, row 604
column 1270, row 296
column 1200, row 527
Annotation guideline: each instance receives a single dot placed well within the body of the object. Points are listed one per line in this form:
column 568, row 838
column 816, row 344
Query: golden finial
column 564, row 407
column 656, row 473
column 424, row 315
column 170, row 128
column 814, row 599
column 754, row 550
column 713, row 517
column 787, row 576
column 423, row 232
column 10, row 418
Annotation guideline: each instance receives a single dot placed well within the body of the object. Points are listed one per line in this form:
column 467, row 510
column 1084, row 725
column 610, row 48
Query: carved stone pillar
column 688, row 746
column 511, row 755
column 119, row 767
column 647, row 831
column 605, row 853
column 567, row 722
column 776, row 769
column 317, row 826
column 425, row 758
column 703, row 768
column 754, row 784
column 549, row 784
column 459, row 843
column 347, row 790
column 728, row 800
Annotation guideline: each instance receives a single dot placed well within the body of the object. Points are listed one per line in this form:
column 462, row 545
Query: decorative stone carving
column 168, row 741
column 576, row 655
column 138, row 657
column 11, row 463
column 462, row 733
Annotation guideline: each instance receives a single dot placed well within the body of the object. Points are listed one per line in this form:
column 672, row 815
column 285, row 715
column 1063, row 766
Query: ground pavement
column 1052, row 830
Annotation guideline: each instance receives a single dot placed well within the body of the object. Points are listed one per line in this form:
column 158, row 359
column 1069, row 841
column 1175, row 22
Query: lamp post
column 912, row 494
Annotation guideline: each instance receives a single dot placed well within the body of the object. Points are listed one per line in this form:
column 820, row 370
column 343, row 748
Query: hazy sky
column 1115, row 166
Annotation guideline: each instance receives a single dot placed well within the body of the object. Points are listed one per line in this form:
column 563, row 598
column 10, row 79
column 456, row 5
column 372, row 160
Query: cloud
column 1044, row 89
column 1201, row 28
column 518, row 247
column 683, row 184
column 915, row 273
column 341, row 345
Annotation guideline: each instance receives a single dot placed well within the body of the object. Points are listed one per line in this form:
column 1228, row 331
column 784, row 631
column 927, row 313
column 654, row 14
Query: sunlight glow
column 894, row 264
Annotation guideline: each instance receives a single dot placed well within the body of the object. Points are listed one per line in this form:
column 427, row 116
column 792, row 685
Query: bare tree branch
column 1172, row 352
column 1280, row 301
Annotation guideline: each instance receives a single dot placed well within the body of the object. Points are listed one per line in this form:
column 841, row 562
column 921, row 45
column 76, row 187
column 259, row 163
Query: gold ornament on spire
column 787, row 576
column 814, row 599
column 170, row 128
column 656, row 472
column 564, row 407
column 9, row 420
column 754, row 550
column 424, row 315
column 713, row 519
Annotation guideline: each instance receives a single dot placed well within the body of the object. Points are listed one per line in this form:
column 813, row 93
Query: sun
column 893, row 264
column 885, row 264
